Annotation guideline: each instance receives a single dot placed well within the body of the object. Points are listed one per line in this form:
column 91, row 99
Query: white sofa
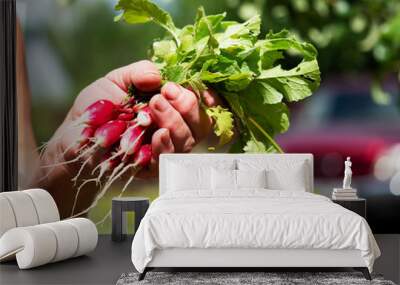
column 31, row 231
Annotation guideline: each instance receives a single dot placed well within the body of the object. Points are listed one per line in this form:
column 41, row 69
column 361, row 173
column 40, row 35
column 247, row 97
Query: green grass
column 104, row 206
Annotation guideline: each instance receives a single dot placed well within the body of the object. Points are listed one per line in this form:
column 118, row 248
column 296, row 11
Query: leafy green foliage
column 143, row 11
column 228, row 57
column 254, row 146
column 294, row 84
column 223, row 123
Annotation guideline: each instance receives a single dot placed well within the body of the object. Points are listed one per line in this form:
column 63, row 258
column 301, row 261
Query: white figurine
column 347, row 174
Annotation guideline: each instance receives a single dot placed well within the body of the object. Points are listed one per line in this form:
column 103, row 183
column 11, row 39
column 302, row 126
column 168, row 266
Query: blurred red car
column 343, row 120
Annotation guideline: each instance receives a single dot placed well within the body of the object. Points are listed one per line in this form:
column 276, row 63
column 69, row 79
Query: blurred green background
column 72, row 43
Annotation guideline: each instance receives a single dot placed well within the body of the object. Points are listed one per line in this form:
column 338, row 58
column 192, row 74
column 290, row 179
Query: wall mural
column 99, row 100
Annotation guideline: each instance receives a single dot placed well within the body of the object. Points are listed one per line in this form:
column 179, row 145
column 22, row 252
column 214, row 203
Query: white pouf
column 37, row 245
column 33, row 246
column 7, row 218
column 66, row 237
column 31, row 230
column 87, row 235
column 45, row 205
column 26, row 208
column 23, row 208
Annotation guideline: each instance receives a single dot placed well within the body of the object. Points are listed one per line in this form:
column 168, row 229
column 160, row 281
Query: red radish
column 141, row 159
column 143, row 156
column 105, row 166
column 86, row 134
column 104, row 137
column 144, row 117
column 131, row 140
column 126, row 116
column 82, row 141
column 130, row 143
column 109, row 133
column 127, row 110
column 97, row 113
column 130, row 100
column 139, row 106
column 116, row 171
column 121, row 129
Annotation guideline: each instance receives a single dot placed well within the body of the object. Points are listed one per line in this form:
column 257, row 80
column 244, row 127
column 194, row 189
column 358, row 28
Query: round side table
column 120, row 205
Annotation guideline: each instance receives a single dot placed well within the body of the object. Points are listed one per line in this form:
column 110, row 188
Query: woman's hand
column 181, row 122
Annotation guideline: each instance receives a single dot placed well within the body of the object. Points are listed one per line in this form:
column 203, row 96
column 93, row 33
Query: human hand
column 176, row 112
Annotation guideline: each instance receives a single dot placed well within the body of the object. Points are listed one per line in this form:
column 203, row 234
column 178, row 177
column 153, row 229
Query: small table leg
column 140, row 211
column 120, row 206
column 117, row 219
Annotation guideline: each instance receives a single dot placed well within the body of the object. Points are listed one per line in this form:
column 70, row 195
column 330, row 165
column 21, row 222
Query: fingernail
column 172, row 91
column 151, row 73
column 161, row 105
column 165, row 137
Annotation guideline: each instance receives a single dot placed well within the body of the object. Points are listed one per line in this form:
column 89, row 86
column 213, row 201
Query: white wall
column 389, row 262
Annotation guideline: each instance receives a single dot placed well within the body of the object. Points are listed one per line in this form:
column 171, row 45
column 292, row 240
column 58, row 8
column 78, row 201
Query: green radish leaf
column 254, row 146
column 212, row 77
column 249, row 29
column 258, row 129
column 294, row 84
column 286, row 41
column 238, row 81
column 143, row 11
column 239, row 37
column 223, row 123
column 165, row 51
column 269, row 94
column 220, row 69
column 234, row 103
column 274, row 118
column 186, row 38
column 245, row 71
column 197, row 84
column 205, row 25
column 175, row 73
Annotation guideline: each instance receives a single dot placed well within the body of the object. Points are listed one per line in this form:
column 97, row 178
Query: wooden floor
column 103, row 266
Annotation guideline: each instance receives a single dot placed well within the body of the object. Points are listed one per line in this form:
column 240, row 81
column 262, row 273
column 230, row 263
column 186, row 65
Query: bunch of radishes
column 122, row 131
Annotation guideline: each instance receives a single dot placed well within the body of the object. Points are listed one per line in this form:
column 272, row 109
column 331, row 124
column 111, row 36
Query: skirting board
column 189, row 257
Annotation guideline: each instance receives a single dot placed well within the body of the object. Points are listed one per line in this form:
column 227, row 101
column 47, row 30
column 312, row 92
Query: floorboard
column 103, row 266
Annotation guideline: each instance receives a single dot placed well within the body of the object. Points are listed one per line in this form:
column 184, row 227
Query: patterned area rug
column 269, row 278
